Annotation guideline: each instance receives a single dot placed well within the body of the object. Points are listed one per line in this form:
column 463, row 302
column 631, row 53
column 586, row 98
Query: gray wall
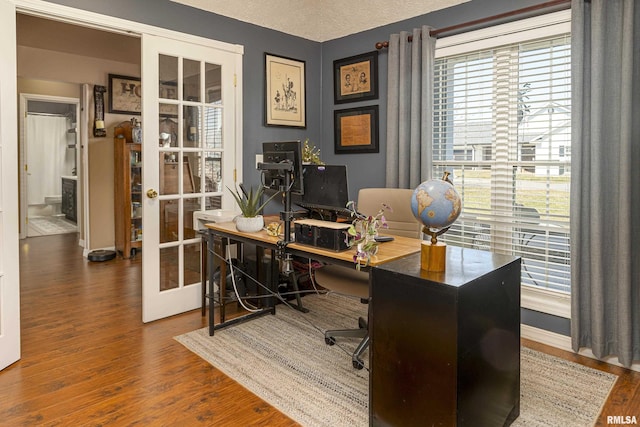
column 365, row 170
column 368, row 169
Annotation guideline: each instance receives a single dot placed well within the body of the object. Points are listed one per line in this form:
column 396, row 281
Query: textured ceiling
column 320, row 20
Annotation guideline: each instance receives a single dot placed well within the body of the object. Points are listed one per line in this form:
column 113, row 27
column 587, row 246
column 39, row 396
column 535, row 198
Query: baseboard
column 563, row 342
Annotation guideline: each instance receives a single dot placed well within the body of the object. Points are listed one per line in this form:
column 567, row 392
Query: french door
column 9, row 270
column 190, row 121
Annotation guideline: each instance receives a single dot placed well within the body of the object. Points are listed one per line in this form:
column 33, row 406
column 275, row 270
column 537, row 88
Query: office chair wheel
column 357, row 364
column 362, row 323
column 329, row 340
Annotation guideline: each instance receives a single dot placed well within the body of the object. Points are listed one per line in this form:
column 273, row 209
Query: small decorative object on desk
column 251, row 219
column 437, row 205
column 273, row 229
column 311, row 154
column 362, row 234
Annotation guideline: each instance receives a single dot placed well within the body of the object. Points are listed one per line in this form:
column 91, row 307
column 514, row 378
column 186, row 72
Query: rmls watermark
column 622, row 419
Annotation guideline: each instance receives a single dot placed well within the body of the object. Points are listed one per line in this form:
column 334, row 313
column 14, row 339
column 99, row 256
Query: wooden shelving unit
column 128, row 196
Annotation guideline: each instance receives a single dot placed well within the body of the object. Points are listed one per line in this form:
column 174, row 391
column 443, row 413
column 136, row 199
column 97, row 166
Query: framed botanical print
column 285, row 97
column 356, row 130
column 356, row 78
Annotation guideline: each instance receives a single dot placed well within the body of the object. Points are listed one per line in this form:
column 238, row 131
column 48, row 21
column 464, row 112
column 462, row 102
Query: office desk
column 445, row 346
column 218, row 233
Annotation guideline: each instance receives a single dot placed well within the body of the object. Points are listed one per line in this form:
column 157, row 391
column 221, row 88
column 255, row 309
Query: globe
column 437, row 205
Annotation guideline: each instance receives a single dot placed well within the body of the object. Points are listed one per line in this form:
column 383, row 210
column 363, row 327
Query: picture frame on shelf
column 356, row 78
column 285, row 91
column 356, row 130
column 125, row 94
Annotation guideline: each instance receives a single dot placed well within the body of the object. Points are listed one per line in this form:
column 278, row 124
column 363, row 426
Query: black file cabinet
column 445, row 347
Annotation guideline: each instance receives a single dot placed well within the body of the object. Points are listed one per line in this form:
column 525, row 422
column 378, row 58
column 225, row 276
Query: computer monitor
column 278, row 152
column 325, row 187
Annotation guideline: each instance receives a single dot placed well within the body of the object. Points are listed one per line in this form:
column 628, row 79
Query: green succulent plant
column 249, row 203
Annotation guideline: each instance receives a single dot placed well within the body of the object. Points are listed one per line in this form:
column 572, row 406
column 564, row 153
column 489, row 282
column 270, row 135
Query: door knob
column 152, row 194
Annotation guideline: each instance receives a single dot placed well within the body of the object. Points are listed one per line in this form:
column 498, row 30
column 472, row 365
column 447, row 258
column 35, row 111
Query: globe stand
column 433, row 254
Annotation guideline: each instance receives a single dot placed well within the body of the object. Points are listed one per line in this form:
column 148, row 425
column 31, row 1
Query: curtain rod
column 556, row 4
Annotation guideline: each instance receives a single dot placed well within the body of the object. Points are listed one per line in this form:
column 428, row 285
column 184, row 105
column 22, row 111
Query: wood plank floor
column 88, row 360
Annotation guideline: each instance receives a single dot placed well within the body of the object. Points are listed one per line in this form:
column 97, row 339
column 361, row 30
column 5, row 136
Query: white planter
column 249, row 225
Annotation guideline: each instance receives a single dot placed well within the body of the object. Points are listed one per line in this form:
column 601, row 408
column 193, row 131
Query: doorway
column 217, row 67
column 50, row 156
column 57, row 62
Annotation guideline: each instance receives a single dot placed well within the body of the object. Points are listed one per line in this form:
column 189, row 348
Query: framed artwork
column 356, row 130
column 285, row 92
column 355, row 78
column 125, row 95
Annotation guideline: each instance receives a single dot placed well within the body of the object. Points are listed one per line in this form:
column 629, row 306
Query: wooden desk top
column 388, row 251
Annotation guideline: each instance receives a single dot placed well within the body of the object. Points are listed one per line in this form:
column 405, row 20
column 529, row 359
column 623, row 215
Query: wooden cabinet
column 445, row 346
column 128, row 197
column 69, row 199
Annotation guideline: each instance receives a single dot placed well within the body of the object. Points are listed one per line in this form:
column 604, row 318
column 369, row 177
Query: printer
column 200, row 218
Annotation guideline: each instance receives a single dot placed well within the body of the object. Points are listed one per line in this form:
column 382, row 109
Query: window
column 503, row 96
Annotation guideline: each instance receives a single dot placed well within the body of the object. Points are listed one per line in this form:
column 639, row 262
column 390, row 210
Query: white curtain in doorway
column 47, row 156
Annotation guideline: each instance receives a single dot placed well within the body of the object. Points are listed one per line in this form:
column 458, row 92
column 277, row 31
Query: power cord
column 279, row 296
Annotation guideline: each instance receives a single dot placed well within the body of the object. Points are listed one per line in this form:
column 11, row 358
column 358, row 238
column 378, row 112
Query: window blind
column 502, row 127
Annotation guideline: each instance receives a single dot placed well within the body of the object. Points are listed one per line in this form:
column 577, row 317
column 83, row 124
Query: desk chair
column 351, row 282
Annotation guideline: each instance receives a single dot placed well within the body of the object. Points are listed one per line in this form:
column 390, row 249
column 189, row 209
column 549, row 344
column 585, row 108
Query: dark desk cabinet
column 68, row 207
column 445, row 347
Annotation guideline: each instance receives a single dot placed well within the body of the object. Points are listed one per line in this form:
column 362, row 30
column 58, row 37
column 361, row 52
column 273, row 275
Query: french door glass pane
column 190, row 206
column 192, row 264
column 169, row 176
column 168, row 126
column 213, row 83
column 213, row 171
column 169, row 220
column 213, row 127
column 188, row 180
column 214, row 202
column 168, row 74
column 191, row 126
column 191, row 80
column 169, row 268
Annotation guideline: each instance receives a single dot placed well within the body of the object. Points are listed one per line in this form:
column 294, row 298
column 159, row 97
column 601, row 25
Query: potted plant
column 311, row 154
column 251, row 219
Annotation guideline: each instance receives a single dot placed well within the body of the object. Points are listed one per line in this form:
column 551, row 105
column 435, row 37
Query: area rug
column 284, row 360
column 44, row 226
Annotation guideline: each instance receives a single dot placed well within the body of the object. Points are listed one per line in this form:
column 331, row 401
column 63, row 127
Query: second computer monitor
column 279, row 152
column 325, row 186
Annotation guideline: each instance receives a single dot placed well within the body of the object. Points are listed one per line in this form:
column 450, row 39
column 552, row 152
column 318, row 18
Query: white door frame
column 24, row 100
column 9, row 249
column 84, row 18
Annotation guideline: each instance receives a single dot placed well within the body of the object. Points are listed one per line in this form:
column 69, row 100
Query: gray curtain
column 605, row 178
column 410, row 108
